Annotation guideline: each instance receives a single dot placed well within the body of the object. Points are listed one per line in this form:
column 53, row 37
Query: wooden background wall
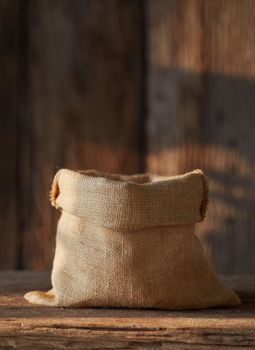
column 127, row 86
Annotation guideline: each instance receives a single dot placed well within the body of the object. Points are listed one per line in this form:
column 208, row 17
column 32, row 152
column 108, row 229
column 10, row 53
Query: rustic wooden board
column 72, row 87
column 9, row 91
column 201, row 107
column 23, row 326
column 82, row 105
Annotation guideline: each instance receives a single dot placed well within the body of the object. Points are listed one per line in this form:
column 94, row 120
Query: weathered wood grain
column 23, row 326
column 9, row 91
column 72, row 95
column 201, row 106
column 82, row 106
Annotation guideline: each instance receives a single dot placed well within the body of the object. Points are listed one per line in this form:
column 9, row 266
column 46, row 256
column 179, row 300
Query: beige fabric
column 129, row 241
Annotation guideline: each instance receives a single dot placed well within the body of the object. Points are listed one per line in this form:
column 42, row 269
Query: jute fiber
column 129, row 241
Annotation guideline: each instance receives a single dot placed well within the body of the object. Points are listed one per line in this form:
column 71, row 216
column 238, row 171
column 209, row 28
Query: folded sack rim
column 124, row 192
column 113, row 178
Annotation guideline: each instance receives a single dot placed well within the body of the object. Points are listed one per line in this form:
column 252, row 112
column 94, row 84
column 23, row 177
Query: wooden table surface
column 24, row 326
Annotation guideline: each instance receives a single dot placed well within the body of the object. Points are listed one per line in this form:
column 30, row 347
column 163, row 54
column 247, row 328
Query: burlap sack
column 129, row 241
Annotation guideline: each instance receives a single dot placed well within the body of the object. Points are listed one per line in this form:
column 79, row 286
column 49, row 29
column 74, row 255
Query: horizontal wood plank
column 23, row 326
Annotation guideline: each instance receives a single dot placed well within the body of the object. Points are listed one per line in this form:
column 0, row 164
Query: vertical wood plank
column 9, row 18
column 201, row 100
column 83, row 103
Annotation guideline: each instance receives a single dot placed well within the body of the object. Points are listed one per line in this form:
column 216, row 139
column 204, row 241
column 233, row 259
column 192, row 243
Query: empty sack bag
column 129, row 241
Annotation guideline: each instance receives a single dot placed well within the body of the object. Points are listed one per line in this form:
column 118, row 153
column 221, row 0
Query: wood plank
column 201, row 101
column 23, row 326
column 83, row 104
column 9, row 66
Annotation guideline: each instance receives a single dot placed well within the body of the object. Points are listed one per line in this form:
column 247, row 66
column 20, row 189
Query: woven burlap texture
column 129, row 241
